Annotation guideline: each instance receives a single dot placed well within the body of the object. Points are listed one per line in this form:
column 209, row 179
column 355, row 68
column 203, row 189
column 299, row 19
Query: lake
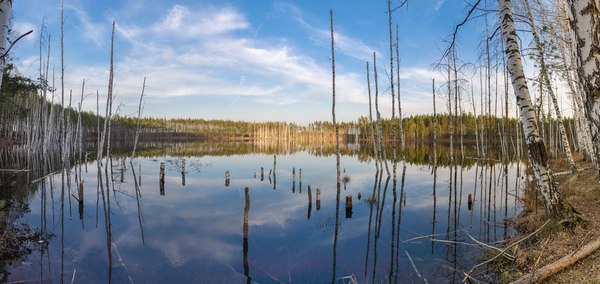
column 217, row 219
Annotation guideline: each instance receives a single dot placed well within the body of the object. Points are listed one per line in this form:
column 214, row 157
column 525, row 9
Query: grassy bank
column 556, row 241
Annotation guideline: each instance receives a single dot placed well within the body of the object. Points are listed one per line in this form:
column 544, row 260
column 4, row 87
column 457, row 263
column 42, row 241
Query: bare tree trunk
column 585, row 18
column 137, row 128
column 379, row 125
column 434, row 127
column 553, row 201
column 5, row 11
column 337, row 150
column 393, row 121
column 400, row 116
column 375, row 152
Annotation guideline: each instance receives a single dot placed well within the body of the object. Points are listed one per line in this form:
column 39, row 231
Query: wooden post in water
column 262, row 173
column 245, row 244
column 318, row 199
column 469, row 202
column 227, row 178
column 309, row 202
column 348, row 206
column 359, row 195
column 162, row 178
column 293, row 180
column 80, row 199
column 123, row 170
column 183, row 172
column 246, row 209
column 300, row 181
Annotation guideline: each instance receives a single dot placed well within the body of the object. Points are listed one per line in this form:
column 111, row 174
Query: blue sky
column 243, row 60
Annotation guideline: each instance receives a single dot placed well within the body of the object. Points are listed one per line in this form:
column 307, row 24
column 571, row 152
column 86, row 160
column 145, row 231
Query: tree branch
column 14, row 42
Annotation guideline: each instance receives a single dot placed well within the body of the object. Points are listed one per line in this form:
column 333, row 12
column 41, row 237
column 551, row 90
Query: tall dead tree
column 337, row 147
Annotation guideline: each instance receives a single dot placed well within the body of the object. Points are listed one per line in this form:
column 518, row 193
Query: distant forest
column 19, row 96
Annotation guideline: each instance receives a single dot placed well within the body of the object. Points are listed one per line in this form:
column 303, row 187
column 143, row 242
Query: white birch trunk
column 585, row 21
column 552, row 199
column 546, row 81
column 5, row 10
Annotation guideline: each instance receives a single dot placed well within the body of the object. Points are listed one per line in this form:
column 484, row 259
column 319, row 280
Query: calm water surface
column 192, row 230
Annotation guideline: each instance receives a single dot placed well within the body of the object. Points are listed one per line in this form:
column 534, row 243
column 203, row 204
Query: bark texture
column 552, row 199
column 585, row 22
column 5, row 8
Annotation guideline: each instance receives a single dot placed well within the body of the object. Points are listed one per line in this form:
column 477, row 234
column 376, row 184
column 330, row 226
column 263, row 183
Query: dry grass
column 582, row 191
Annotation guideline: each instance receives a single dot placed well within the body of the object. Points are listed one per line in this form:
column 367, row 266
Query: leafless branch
column 13, row 43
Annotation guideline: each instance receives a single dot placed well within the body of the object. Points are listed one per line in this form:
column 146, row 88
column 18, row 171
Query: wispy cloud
column 183, row 22
column 438, row 4
column 211, row 64
column 96, row 32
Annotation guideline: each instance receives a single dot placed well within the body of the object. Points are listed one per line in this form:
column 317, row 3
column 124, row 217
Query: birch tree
column 585, row 22
column 548, row 189
column 5, row 8
column 546, row 81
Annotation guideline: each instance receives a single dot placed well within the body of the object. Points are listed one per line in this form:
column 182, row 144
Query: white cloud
column 180, row 21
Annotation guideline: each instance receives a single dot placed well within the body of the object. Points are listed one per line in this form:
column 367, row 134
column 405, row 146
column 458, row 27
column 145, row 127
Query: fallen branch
column 569, row 172
column 555, row 267
column 468, row 274
column 415, row 268
column 490, row 247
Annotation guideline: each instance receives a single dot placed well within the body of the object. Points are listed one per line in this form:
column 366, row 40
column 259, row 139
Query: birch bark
column 552, row 199
column 585, row 22
column 5, row 8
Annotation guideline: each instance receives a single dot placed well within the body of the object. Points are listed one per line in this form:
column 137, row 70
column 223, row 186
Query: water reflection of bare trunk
column 245, row 245
column 62, row 226
column 274, row 169
column 138, row 195
column 505, row 219
column 69, row 191
column 434, row 204
column 227, row 178
column 371, row 201
column 106, row 205
column 378, row 222
column 448, row 222
column 396, row 226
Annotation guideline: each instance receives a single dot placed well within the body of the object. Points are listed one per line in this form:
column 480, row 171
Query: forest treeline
column 19, row 96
